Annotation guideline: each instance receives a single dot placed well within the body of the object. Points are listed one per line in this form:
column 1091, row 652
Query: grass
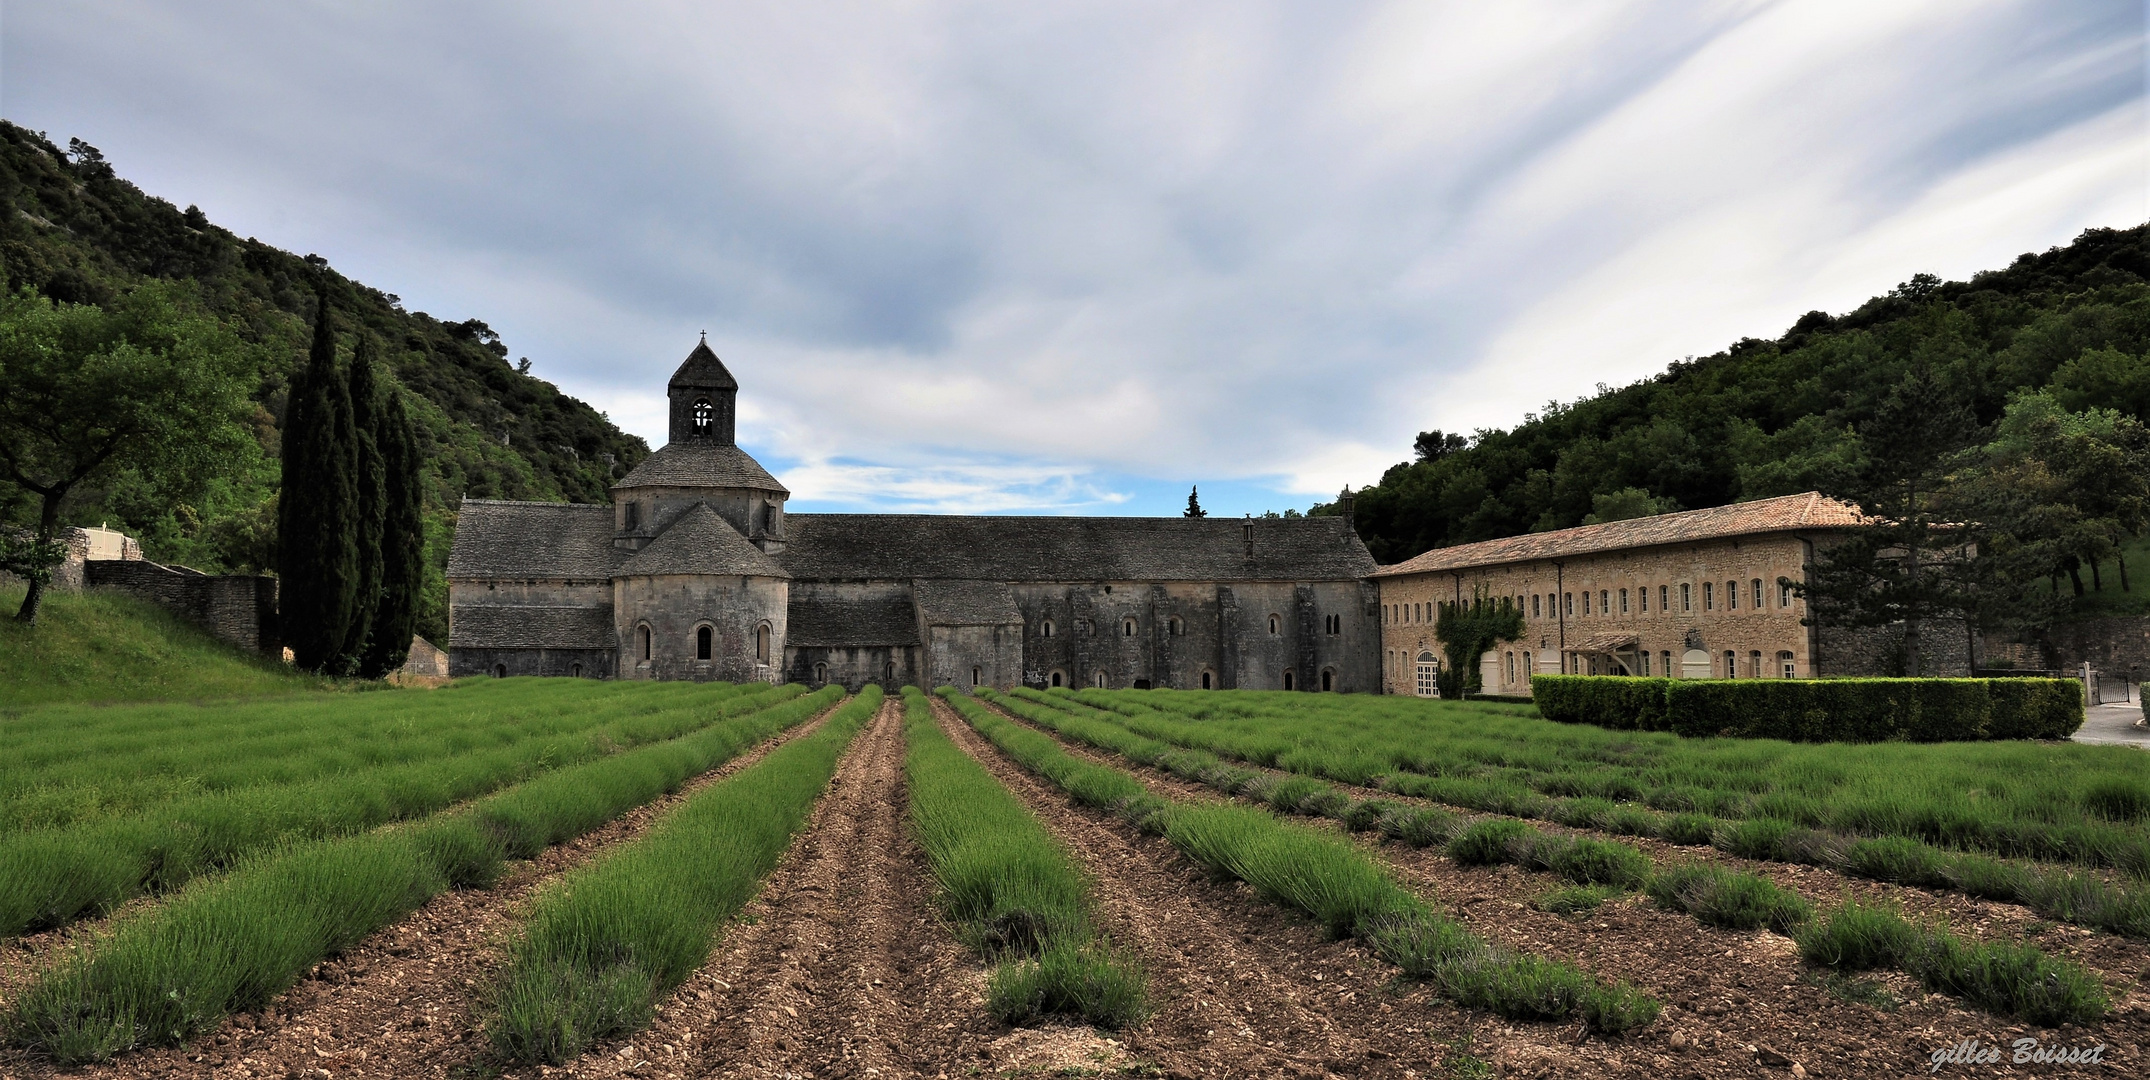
column 233, row 943
column 2010, row 979
column 1329, row 879
column 101, row 646
column 1012, row 891
column 604, row 944
column 2015, row 980
column 1892, row 836
column 166, row 814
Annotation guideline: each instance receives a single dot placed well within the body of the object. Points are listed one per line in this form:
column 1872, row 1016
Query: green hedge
column 1818, row 710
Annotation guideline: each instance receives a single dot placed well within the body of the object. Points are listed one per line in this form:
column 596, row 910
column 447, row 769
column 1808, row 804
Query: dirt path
column 840, row 968
column 1731, row 996
column 401, row 1003
column 1241, row 988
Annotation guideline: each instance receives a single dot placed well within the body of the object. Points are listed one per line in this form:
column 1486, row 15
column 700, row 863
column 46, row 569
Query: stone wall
column 240, row 609
column 889, row 666
column 1944, row 650
column 672, row 607
column 1192, row 635
column 2118, row 646
column 466, row 662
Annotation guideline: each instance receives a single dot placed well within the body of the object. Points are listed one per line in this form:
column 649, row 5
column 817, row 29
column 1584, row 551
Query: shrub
column 1368, row 813
column 1618, row 702
column 1818, row 710
column 1420, row 826
column 1486, row 842
column 1857, row 937
column 1720, row 897
column 1598, row 862
column 1103, row 987
column 1576, row 899
column 1754, row 838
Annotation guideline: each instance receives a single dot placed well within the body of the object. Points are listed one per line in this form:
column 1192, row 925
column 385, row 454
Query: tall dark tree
column 1917, row 559
column 317, row 513
column 369, row 478
column 1194, row 504
column 402, row 541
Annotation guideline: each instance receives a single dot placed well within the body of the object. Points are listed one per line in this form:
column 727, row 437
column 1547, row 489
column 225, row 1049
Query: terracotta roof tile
column 1786, row 513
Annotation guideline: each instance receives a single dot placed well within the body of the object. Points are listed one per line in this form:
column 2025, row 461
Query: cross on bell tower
column 704, row 398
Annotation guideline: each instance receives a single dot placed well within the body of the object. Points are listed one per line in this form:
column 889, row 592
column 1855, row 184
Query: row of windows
column 1729, row 665
column 1333, row 625
column 1103, row 681
column 1681, row 597
column 704, row 642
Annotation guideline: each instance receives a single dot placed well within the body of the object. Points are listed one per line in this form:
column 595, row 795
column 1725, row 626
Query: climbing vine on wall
column 1466, row 630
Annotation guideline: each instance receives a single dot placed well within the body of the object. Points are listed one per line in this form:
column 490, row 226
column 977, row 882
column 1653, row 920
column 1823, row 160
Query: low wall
column 237, row 608
column 2117, row 646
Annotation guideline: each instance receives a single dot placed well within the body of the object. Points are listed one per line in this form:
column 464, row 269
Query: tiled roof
column 966, row 603
column 835, row 620
column 1787, row 513
column 702, row 369
column 700, row 541
column 700, row 463
column 912, row 546
column 505, row 627
column 532, row 540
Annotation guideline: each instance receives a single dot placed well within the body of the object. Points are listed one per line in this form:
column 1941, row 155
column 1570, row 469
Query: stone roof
column 518, row 627
column 818, row 620
column 947, row 547
column 1787, row 513
column 499, row 539
column 966, row 603
column 700, row 463
column 700, row 541
column 702, row 370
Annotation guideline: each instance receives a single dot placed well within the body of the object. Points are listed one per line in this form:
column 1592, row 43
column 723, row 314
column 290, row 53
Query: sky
column 1076, row 257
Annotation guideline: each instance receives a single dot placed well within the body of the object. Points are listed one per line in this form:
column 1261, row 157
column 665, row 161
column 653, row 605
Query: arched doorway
column 1428, row 675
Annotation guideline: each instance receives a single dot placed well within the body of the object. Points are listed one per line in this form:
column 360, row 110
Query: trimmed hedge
column 1818, row 710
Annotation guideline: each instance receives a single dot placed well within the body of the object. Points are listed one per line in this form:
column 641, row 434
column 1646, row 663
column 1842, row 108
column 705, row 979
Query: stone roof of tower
column 521, row 627
column 700, row 541
column 495, row 538
column 818, row 620
column 1787, row 513
column 945, row 547
column 702, row 370
column 966, row 603
column 700, row 463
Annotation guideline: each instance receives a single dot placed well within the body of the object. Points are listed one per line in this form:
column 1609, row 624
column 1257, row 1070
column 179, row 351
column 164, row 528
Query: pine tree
column 317, row 513
column 369, row 479
column 1194, row 504
column 402, row 542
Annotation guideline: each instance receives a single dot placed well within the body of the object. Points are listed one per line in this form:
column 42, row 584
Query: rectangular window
column 1662, row 605
column 1623, row 601
column 1687, row 597
column 1646, row 665
column 1731, row 595
column 1642, row 597
column 1784, row 594
column 1604, row 602
column 1534, row 611
column 1757, row 594
column 1709, row 597
column 1586, row 601
column 1567, row 601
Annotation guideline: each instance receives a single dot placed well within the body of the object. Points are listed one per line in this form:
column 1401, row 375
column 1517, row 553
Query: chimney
column 1344, row 504
column 1248, row 531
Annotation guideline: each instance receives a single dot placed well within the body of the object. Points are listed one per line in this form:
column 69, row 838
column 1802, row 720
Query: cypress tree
column 402, row 542
column 369, row 480
column 317, row 511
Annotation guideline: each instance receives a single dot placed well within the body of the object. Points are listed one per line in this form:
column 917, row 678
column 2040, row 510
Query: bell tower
column 704, row 399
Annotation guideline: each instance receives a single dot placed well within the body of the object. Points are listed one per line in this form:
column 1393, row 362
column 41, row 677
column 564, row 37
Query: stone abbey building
column 696, row 572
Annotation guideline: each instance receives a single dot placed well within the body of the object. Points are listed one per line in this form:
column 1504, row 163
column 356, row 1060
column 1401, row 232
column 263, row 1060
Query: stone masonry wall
column 240, row 609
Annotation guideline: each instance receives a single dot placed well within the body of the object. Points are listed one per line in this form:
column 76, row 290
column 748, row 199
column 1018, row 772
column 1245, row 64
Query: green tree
column 317, row 512
column 1626, row 504
column 1917, row 559
column 369, row 477
column 402, row 542
column 1194, row 504
column 150, row 384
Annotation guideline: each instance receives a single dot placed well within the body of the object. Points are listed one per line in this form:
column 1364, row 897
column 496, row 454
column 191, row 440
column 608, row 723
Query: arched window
column 1059, row 680
column 1511, row 669
column 1731, row 595
column 1045, row 629
column 1567, row 604
column 1535, row 612
column 1209, row 680
column 1687, row 597
column 1642, row 597
column 1276, row 625
column 643, row 634
column 977, row 676
column 1646, row 660
column 1328, row 679
column 1784, row 592
column 1786, row 668
column 702, row 642
column 500, row 671
column 705, row 418
column 1623, row 601
column 1757, row 591
column 1709, row 596
column 1174, row 627
column 888, row 672
column 1731, row 664
column 1665, row 659
column 1428, row 674
column 1288, row 679
column 821, row 674
column 1334, row 624
column 761, row 643
column 1098, row 679
column 1754, row 664
column 1127, row 627
column 574, row 671
column 1527, row 669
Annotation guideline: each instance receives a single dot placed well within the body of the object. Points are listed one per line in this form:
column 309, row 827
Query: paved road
column 2114, row 723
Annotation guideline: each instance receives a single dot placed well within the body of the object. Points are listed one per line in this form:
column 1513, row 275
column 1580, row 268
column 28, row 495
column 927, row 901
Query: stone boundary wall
column 2118, row 646
column 237, row 608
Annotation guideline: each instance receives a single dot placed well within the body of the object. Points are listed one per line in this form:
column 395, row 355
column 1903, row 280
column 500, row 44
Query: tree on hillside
column 369, row 477
column 1194, row 504
column 317, row 513
column 402, row 541
column 1917, row 559
column 148, row 383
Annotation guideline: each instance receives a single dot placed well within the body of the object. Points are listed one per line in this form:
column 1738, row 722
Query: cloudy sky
column 1072, row 257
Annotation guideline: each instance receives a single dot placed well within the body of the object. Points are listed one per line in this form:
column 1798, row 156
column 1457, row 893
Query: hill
column 1779, row 416
column 101, row 646
column 72, row 229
